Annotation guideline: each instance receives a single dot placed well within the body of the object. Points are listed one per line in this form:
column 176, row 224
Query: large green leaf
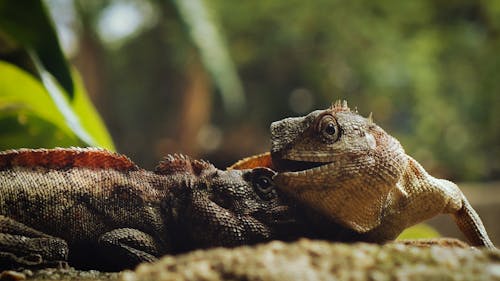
column 23, row 128
column 20, row 92
column 28, row 111
column 28, row 27
column 88, row 115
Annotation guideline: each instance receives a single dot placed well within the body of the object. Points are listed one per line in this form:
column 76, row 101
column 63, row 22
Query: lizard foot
column 31, row 261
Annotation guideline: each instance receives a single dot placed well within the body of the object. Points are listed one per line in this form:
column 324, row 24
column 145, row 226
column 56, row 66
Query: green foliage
column 419, row 231
column 26, row 26
column 42, row 104
column 88, row 115
column 30, row 118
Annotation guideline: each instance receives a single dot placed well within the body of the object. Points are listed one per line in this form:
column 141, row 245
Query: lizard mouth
column 287, row 165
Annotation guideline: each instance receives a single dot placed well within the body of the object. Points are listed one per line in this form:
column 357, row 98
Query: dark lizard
column 349, row 170
column 97, row 209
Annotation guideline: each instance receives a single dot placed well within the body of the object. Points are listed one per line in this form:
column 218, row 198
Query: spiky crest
column 179, row 163
column 339, row 106
column 65, row 158
column 370, row 118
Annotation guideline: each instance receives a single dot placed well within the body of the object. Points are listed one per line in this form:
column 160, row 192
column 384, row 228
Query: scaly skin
column 97, row 209
column 350, row 170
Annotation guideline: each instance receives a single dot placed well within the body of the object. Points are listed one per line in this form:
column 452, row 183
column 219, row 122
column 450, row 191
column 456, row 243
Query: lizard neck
column 418, row 196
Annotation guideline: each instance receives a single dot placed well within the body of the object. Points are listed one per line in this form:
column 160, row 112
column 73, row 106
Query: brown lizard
column 350, row 170
column 97, row 209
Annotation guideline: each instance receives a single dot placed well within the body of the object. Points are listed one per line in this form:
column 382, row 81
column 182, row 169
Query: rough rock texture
column 68, row 274
column 318, row 260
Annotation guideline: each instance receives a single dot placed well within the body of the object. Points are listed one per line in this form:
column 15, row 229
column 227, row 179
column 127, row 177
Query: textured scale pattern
column 97, row 209
column 74, row 157
column 351, row 172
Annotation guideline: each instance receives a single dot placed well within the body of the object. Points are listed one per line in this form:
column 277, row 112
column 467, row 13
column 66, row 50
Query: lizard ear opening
column 181, row 164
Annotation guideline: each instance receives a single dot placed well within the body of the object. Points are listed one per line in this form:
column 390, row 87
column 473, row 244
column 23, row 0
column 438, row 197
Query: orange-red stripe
column 63, row 158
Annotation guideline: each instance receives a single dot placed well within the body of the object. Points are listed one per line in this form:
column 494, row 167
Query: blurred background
column 428, row 71
column 207, row 77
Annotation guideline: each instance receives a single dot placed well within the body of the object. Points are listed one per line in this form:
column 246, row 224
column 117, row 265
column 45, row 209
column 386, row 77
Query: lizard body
column 347, row 167
column 97, row 209
column 355, row 179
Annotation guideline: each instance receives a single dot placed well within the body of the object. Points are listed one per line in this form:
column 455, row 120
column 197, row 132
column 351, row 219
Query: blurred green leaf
column 27, row 111
column 25, row 25
column 62, row 103
column 20, row 92
column 89, row 116
column 419, row 231
column 23, row 128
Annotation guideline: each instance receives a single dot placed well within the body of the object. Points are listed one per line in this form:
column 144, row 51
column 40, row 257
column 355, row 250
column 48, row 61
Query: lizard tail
column 471, row 225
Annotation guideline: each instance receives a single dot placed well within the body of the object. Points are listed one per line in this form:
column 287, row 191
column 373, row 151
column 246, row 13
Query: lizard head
column 339, row 162
column 228, row 207
column 261, row 211
column 322, row 137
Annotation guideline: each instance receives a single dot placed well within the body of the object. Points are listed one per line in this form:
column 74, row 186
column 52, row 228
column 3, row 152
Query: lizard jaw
column 296, row 166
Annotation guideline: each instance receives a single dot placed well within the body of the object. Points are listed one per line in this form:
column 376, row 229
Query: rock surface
column 67, row 274
column 304, row 260
column 319, row 260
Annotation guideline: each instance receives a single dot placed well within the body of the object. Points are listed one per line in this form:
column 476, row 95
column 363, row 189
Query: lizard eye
column 328, row 128
column 263, row 183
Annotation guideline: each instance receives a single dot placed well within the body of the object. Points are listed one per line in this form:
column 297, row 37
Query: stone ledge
column 320, row 260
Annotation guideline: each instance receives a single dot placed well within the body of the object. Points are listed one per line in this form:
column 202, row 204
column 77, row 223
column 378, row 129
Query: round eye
column 262, row 180
column 264, row 184
column 328, row 128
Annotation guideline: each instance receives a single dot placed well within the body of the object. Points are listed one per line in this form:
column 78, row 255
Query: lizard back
column 79, row 193
column 64, row 158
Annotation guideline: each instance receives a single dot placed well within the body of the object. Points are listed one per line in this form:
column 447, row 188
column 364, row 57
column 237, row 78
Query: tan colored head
column 338, row 161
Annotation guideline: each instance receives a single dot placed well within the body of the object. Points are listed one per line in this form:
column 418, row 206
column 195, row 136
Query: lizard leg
column 21, row 245
column 471, row 225
column 128, row 247
column 465, row 216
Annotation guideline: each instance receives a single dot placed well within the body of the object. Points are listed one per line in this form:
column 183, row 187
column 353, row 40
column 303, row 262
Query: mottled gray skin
column 57, row 206
column 351, row 171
